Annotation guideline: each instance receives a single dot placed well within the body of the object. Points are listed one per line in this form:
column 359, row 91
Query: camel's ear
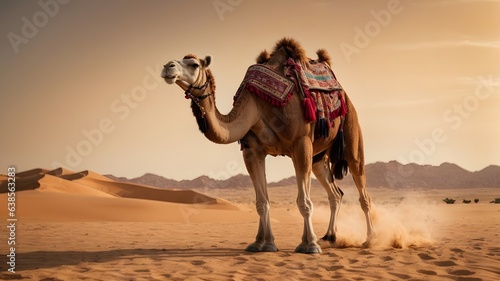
column 206, row 62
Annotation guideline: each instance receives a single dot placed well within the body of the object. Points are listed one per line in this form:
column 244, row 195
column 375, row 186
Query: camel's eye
column 195, row 65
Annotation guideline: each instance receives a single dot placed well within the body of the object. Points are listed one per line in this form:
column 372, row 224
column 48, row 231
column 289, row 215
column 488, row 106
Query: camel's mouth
column 170, row 78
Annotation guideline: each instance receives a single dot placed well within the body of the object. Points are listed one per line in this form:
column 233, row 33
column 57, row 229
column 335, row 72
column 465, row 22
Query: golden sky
column 81, row 88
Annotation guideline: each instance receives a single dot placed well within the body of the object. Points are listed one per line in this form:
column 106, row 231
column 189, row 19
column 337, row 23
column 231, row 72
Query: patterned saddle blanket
column 265, row 82
column 315, row 81
column 315, row 75
column 318, row 82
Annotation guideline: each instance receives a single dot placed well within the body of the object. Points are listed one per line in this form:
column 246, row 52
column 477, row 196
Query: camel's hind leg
column 322, row 172
column 358, row 174
column 354, row 154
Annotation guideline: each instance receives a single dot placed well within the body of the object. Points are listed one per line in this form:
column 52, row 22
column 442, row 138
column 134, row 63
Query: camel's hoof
column 313, row 249
column 368, row 243
column 369, row 240
column 254, row 247
column 269, row 248
column 301, row 249
column 329, row 238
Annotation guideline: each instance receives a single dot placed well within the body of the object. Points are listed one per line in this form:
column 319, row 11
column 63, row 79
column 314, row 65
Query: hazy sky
column 80, row 80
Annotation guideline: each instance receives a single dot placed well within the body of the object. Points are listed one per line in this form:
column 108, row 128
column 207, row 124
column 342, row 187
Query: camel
column 265, row 129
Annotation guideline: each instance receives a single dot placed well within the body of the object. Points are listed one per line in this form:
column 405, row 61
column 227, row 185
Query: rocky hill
column 379, row 174
column 446, row 175
column 238, row 181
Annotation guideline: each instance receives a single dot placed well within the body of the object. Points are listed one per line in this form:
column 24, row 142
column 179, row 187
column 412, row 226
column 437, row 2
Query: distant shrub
column 449, row 200
column 476, row 200
column 466, row 201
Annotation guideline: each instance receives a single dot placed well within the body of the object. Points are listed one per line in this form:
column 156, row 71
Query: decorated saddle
column 318, row 83
column 322, row 95
column 268, row 84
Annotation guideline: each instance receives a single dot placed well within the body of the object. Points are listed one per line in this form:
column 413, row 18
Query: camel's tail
column 338, row 163
column 336, row 155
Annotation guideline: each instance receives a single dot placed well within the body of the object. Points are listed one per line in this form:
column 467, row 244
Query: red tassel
column 309, row 109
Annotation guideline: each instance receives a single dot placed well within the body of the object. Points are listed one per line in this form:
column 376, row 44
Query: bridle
column 189, row 95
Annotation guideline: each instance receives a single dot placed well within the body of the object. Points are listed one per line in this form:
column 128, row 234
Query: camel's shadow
column 52, row 259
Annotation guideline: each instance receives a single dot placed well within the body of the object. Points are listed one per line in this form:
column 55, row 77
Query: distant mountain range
column 379, row 174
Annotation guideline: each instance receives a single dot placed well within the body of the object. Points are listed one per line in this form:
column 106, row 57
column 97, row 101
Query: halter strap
column 196, row 100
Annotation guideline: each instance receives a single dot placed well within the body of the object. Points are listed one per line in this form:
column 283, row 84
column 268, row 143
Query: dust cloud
column 403, row 225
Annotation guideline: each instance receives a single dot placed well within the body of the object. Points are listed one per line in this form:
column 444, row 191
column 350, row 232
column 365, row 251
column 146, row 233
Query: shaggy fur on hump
column 323, row 56
column 293, row 49
column 263, row 57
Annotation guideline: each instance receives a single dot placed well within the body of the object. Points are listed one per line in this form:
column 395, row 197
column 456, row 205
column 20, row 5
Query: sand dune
column 55, row 172
column 127, row 190
column 74, row 176
column 93, row 184
column 63, row 195
column 52, row 184
column 49, row 205
column 31, row 172
column 27, row 182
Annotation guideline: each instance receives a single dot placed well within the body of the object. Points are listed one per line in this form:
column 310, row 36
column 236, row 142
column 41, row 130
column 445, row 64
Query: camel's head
column 185, row 71
column 195, row 78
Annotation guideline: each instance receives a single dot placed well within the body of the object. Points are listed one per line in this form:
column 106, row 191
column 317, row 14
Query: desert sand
column 84, row 226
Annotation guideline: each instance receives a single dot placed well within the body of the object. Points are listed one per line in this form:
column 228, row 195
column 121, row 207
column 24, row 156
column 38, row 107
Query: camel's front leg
column 302, row 161
column 255, row 163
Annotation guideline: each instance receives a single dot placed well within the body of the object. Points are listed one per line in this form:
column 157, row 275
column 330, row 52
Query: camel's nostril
column 171, row 65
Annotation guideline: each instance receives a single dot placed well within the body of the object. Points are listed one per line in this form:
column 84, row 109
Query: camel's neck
column 231, row 127
column 228, row 128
